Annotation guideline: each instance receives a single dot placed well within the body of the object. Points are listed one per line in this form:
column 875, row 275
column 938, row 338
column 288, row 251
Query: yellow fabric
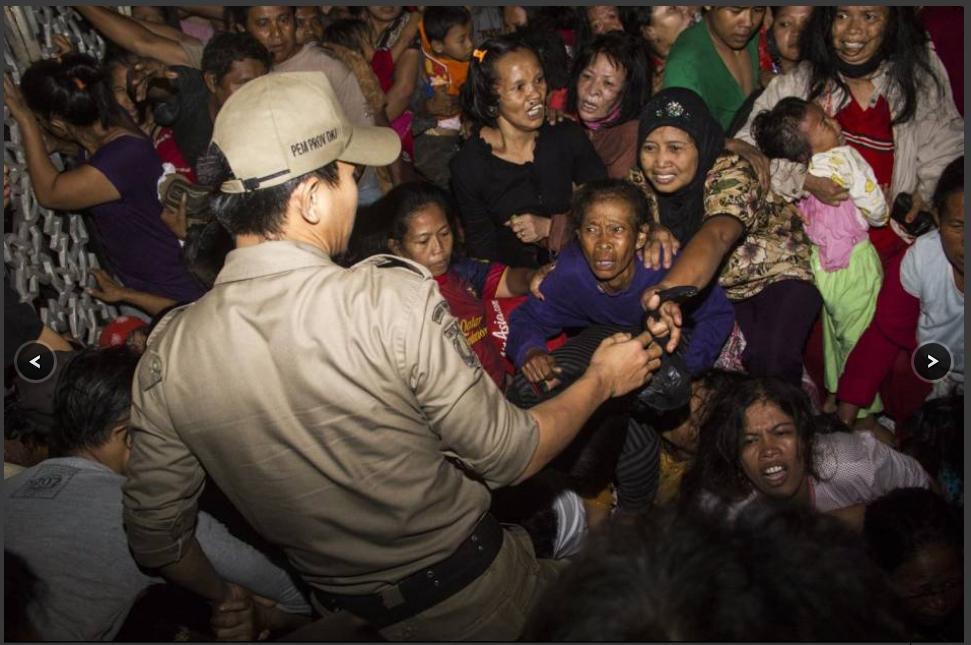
column 669, row 480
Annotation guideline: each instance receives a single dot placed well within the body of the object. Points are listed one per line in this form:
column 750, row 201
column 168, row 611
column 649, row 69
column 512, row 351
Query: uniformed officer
column 341, row 411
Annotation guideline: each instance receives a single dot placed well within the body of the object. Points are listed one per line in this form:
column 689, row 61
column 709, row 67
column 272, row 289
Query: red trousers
column 880, row 362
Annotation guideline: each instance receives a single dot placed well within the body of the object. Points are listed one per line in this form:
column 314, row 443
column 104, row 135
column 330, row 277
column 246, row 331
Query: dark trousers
column 611, row 443
column 776, row 323
column 432, row 154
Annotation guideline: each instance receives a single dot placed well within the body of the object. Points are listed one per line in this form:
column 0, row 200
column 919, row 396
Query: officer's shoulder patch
column 385, row 261
column 150, row 370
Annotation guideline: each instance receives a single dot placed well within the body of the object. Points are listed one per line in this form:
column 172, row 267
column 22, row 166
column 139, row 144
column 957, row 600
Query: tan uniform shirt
column 326, row 403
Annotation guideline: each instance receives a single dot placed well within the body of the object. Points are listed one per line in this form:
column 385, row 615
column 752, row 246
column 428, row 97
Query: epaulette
column 163, row 322
column 386, row 261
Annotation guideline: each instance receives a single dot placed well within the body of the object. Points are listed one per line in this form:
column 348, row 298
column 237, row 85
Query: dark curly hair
column 388, row 219
column 717, row 469
column 406, row 199
column 951, row 181
column 76, row 89
column 228, row 47
column 623, row 51
column 904, row 47
column 479, row 99
column 776, row 131
column 92, row 394
column 438, row 20
column 899, row 524
column 347, row 32
column 934, row 436
column 690, row 576
column 598, row 190
column 540, row 36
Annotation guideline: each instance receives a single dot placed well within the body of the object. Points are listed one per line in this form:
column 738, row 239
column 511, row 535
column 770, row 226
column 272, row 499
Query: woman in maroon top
column 421, row 225
column 610, row 84
column 873, row 69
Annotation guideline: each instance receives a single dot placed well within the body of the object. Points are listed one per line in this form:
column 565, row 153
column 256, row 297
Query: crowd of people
column 492, row 323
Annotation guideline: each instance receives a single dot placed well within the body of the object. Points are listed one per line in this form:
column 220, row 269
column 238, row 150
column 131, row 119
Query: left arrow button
column 35, row 362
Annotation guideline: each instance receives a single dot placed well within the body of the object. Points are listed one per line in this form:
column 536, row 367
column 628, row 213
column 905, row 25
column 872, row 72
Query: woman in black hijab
column 710, row 201
column 680, row 211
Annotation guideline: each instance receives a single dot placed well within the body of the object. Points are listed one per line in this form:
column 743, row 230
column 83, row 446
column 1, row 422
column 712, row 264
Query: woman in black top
column 516, row 171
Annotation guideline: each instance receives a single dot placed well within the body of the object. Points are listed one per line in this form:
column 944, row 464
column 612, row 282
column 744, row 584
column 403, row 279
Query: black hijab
column 682, row 212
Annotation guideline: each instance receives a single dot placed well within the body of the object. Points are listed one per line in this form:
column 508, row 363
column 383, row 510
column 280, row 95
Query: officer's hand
column 242, row 616
column 540, row 367
column 624, row 363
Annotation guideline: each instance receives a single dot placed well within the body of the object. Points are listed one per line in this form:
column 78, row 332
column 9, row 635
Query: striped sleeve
column 637, row 469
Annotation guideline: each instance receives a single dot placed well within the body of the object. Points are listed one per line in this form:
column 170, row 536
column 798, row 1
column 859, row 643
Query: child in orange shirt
column 446, row 45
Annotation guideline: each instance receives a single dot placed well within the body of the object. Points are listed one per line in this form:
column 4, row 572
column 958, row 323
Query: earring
column 492, row 110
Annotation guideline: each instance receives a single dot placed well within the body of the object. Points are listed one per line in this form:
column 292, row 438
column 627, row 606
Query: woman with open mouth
column 759, row 440
column 516, row 171
column 610, row 84
column 873, row 69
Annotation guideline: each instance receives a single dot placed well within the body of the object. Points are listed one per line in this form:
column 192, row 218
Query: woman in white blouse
column 760, row 440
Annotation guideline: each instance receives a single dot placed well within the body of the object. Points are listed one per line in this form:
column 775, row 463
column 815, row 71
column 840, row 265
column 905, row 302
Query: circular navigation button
column 932, row 362
column 35, row 362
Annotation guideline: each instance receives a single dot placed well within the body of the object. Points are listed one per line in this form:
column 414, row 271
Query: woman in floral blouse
column 710, row 201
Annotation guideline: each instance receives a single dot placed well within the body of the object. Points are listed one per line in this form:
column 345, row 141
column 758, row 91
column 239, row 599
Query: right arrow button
column 932, row 361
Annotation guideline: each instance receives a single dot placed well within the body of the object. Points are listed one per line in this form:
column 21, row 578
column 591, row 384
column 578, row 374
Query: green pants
column 849, row 300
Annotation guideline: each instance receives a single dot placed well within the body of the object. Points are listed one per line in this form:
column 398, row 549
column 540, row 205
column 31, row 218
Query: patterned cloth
column 857, row 468
column 775, row 246
column 837, row 229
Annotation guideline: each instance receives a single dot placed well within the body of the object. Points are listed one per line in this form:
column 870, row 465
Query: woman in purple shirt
column 72, row 99
column 598, row 280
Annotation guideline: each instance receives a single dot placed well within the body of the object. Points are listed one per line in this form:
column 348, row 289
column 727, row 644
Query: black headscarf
column 682, row 212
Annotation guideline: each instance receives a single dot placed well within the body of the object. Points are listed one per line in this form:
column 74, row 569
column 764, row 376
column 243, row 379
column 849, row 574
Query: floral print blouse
column 774, row 246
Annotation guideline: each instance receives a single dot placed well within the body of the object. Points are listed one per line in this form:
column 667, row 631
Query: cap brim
column 372, row 146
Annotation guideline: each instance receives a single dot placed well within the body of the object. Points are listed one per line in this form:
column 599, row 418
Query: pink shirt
column 857, row 468
column 201, row 29
column 837, row 229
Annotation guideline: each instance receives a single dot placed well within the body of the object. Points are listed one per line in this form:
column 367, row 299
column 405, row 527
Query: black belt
column 427, row 587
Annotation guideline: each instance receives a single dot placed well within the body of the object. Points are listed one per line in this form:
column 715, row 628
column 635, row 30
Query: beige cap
column 281, row 126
